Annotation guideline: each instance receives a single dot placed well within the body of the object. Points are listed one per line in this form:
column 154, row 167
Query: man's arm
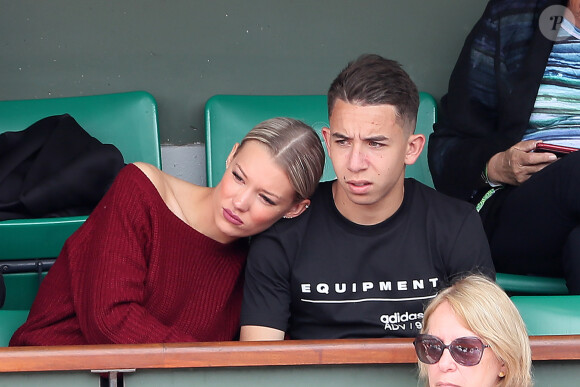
column 470, row 252
column 257, row 333
column 267, row 295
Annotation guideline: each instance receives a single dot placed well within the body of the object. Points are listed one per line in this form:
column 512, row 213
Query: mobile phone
column 558, row 150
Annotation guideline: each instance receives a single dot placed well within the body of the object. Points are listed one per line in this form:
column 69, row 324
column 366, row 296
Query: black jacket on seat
column 54, row 168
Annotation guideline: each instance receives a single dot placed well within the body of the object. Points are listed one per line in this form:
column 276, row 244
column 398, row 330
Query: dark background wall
column 184, row 51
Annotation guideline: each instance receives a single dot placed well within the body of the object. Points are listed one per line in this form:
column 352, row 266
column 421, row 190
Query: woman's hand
column 515, row 165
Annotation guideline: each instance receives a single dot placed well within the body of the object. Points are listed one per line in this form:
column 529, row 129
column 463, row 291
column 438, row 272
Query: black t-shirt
column 321, row 276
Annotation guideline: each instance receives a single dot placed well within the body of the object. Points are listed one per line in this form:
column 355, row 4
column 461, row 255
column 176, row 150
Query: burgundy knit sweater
column 136, row 273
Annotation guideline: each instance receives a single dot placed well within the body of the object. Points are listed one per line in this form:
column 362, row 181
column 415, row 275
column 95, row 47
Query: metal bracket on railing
column 113, row 376
column 39, row 271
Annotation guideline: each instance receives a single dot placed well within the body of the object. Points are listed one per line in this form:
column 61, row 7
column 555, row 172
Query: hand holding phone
column 558, row 150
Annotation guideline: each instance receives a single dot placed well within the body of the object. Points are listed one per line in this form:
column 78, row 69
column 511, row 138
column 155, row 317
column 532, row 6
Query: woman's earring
column 501, row 374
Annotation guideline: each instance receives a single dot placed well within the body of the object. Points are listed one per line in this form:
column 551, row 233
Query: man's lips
column 358, row 186
column 232, row 218
column 358, row 183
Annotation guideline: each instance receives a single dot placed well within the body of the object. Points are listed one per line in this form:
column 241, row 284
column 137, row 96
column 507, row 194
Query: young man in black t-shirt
column 374, row 247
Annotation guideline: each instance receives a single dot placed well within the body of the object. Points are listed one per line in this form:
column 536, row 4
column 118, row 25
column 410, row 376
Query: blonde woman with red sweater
column 161, row 259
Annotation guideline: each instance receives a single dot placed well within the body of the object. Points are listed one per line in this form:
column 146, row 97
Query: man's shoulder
column 437, row 199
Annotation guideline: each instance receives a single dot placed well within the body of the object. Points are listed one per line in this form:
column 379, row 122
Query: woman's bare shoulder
column 148, row 169
column 157, row 177
column 175, row 192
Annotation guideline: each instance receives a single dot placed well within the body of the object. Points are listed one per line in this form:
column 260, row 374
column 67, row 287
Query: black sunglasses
column 466, row 351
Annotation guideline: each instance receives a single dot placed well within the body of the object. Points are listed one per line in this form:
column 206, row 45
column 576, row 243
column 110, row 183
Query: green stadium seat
column 515, row 284
column 29, row 246
column 229, row 117
column 550, row 315
column 11, row 320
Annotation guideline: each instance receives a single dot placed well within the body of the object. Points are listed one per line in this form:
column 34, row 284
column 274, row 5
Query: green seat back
column 526, row 284
column 229, row 117
column 10, row 320
column 21, row 289
column 550, row 315
column 126, row 120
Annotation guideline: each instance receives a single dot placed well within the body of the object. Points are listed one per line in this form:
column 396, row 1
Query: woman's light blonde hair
column 296, row 148
column 486, row 310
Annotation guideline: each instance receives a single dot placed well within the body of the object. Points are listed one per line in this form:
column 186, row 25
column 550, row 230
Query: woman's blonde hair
column 486, row 310
column 296, row 148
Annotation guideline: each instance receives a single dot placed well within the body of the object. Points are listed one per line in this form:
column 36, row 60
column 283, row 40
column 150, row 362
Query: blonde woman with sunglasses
column 473, row 335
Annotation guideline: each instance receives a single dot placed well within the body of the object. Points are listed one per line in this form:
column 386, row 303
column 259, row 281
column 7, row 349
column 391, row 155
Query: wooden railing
column 240, row 354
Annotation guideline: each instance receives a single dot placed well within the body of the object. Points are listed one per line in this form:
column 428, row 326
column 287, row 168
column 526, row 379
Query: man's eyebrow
column 376, row 138
column 381, row 137
column 339, row 136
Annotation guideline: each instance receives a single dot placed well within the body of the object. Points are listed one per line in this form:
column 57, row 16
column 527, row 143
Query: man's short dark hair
column 373, row 80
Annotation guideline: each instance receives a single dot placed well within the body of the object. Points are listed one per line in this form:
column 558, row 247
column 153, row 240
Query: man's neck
column 368, row 214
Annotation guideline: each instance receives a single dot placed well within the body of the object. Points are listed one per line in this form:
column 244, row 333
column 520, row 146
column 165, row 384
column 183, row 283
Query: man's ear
column 232, row 154
column 326, row 137
column 415, row 145
column 297, row 209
